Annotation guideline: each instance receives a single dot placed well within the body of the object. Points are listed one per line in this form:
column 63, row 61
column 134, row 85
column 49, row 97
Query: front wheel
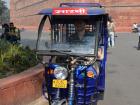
column 65, row 103
column 138, row 46
column 94, row 99
column 94, row 102
column 60, row 102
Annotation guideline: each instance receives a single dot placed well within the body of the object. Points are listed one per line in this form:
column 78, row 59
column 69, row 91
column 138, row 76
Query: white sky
column 8, row 2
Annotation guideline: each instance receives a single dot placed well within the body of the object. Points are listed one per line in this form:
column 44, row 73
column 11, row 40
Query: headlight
column 60, row 73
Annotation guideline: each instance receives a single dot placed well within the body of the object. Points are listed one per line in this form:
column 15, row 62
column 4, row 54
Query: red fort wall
column 124, row 12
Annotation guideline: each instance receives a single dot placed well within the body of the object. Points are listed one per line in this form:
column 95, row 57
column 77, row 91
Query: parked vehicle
column 75, row 72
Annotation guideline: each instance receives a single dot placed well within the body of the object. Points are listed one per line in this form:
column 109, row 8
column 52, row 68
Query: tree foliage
column 4, row 12
column 15, row 58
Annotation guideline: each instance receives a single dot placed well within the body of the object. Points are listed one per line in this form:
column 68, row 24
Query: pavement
column 40, row 101
column 122, row 73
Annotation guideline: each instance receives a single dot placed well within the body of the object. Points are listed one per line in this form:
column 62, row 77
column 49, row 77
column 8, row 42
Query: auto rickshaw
column 74, row 70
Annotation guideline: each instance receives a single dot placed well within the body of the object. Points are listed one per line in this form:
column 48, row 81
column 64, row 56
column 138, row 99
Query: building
column 124, row 12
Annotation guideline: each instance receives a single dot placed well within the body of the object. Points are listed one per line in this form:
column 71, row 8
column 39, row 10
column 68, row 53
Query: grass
column 15, row 59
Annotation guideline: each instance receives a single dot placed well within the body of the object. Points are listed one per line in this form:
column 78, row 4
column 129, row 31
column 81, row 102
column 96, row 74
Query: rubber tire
column 138, row 46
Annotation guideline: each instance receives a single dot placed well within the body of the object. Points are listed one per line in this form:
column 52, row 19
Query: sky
column 8, row 2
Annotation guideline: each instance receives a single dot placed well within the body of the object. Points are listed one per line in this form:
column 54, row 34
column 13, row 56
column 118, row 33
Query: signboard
column 69, row 11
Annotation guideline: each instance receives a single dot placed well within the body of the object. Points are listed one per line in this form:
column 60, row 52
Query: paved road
column 123, row 71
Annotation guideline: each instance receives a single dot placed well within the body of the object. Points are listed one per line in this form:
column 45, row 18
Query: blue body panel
column 80, row 78
column 101, row 84
column 52, row 91
column 83, row 82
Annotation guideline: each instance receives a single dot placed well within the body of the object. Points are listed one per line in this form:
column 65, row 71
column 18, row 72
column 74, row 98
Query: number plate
column 59, row 83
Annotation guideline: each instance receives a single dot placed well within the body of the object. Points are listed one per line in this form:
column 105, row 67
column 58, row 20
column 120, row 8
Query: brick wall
column 22, row 88
column 123, row 12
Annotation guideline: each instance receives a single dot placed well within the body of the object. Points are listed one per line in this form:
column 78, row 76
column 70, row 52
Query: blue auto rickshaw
column 74, row 70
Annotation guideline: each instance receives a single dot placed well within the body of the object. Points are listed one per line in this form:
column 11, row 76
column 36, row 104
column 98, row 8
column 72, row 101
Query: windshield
column 74, row 37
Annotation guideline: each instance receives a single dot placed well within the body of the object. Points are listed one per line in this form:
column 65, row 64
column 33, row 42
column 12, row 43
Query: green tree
column 4, row 12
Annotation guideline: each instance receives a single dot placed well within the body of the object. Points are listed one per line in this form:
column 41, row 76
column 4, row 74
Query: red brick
column 8, row 96
column 22, row 88
column 1, row 103
column 126, row 15
column 29, row 91
column 20, row 94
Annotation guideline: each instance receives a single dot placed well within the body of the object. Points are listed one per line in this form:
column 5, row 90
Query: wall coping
column 21, row 77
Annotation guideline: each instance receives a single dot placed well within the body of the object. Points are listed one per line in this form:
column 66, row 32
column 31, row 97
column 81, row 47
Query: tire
column 61, row 102
column 94, row 100
column 101, row 95
column 138, row 46
column 94, row 103
column 64, row 103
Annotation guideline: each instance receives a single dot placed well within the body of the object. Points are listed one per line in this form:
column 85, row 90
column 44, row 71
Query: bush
column 15, row 59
